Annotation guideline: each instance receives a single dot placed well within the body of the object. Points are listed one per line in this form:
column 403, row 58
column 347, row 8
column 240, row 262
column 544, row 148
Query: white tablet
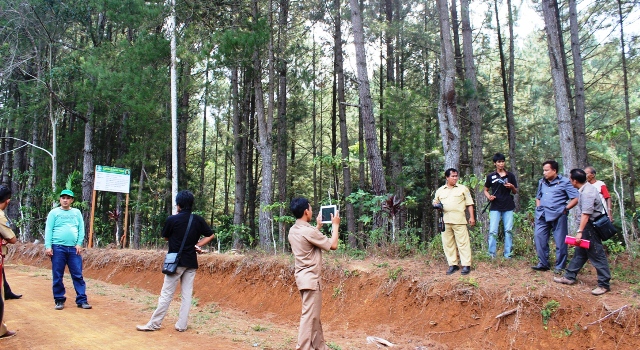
column 326, row 211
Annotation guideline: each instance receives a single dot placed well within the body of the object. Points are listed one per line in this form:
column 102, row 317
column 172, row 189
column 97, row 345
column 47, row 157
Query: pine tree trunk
column 88, row 169
column 239, row 156
column 137, row 217
column 203, row 149
column 29, row 234
column 378, row 181
column 511, row 120
column 565, row 127
column 447, row 110
column 344, row 137
column 282, row 140
column 463, row 115
column 473, row 107
column 183, row 126
column 265, row 147
column 578, row 82
column 630, row 131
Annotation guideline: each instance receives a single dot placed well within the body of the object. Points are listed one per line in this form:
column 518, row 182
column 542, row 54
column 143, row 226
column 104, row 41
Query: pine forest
column 361, row 104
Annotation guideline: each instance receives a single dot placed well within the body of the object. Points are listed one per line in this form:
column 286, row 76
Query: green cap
column 67, row 193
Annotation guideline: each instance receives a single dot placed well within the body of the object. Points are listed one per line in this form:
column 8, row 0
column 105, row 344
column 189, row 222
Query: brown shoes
column 599, row 291
column 9, row 334
column 563, row 280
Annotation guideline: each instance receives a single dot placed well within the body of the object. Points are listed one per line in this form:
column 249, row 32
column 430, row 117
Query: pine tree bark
column 265, row 147
column 473, row 109
column 239, row 156
column 447, row 110
column 282, row 141
column 511, row 120
column 578, row 82
column 137, row 217
column 342, row 113
column 463, row 115
column 88, row 168
column 630, row 131
column 378, row 180
column 565, row 127
column 183, row 125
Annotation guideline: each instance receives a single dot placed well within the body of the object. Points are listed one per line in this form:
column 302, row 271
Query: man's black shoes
column 12, row 296
column 452, row 269
column 540, row 267
column 465, row 270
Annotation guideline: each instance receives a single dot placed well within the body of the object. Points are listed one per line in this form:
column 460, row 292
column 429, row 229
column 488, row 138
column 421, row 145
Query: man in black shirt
column 503, row 185
column 174, row 230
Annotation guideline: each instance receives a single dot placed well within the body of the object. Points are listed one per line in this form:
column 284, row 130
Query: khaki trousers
column 455, row 241
column 185, row 277
column 3, row 327
column 310, row 336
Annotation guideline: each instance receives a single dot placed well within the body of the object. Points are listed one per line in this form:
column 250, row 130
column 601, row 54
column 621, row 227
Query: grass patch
column 469, row 281
column 337, row 291
column 334, row 346
column 395, row 273
column 548, row 310
column 259, row 328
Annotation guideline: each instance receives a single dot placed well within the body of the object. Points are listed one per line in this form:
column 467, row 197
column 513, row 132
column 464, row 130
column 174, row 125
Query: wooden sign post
column 110, row 179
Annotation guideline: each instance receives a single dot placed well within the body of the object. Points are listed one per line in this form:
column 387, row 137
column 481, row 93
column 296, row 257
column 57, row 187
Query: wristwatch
column 579, row 231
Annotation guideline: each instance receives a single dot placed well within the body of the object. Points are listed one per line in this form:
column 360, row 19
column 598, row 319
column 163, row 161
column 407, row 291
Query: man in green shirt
column 64, row 234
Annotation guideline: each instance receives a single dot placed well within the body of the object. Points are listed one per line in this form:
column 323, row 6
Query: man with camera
column 503, row 186
column 452, row 199
column 307, row 244
column 554, row 198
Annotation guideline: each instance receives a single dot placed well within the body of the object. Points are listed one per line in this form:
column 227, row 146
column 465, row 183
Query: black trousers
column 595, row 254
column 7, row 289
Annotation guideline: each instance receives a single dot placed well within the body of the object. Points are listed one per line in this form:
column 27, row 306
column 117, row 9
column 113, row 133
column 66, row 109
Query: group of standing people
column 556, row 195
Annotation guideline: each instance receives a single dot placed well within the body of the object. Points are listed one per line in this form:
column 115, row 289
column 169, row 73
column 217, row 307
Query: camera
column 437, row 206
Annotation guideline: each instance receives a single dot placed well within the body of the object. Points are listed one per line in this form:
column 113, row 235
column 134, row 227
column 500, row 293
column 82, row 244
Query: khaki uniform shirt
column 454, row 202
column 5, row 230
column 307, row 244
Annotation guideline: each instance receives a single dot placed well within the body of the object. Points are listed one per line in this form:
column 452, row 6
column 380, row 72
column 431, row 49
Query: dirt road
column 109, row 325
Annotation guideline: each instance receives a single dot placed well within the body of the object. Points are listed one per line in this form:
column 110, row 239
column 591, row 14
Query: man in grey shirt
column 589, row 208
column 554, row 198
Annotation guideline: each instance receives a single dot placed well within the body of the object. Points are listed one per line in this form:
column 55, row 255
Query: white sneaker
column 146, row 328
column 599, row 291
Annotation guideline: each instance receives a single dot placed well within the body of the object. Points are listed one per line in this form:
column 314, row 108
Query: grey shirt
column 589, row 202
column 553, row 196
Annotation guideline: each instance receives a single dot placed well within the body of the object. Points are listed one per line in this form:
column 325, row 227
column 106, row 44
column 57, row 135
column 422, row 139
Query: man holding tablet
column 307, row 244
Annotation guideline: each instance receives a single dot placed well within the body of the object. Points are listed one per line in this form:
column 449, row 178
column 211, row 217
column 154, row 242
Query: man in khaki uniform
column 455, row 238
column 307, row 244
column 6, row 236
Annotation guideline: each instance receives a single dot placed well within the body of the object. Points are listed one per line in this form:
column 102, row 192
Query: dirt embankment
column 407, row 302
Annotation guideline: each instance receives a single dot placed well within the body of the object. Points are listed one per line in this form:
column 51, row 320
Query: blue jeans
column 66, row 256
column 494, row 222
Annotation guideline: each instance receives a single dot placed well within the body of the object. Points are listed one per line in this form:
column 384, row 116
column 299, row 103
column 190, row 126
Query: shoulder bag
column 170, row 264
column 604, row 227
